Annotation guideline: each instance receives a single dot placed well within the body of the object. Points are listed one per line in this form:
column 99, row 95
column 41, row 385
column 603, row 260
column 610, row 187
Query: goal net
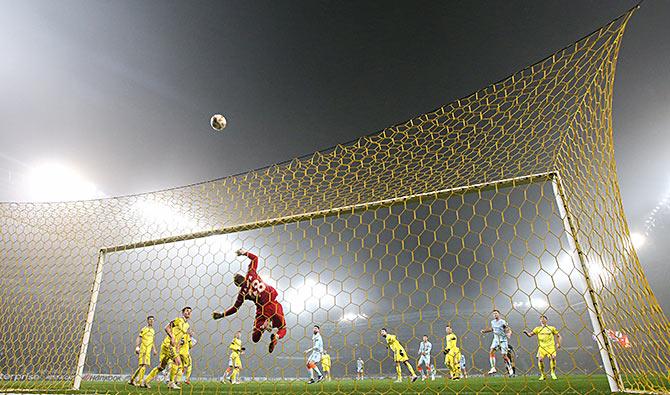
column 506, row 199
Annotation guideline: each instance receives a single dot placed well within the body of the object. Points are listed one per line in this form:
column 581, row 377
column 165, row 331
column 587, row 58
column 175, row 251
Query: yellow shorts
column 185, row 359
column 145, row 356
column 544, row 352
column 326, row 368
column 453, row 359
column 400, row 356
column 167, row 354
column 235, row 360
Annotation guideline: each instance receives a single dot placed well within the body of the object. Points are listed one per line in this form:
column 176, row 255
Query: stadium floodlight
column 350, row 317
column 309, row 293
column 50, row 182
column 638, row 240
column 538, row 303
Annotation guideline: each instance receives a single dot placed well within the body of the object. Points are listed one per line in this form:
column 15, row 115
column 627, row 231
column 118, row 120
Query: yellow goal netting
column 506, row 199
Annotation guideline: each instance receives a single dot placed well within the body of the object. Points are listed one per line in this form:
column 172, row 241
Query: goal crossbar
column 503, row 183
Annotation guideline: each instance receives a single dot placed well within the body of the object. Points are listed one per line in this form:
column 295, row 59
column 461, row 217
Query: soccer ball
column 218, row 122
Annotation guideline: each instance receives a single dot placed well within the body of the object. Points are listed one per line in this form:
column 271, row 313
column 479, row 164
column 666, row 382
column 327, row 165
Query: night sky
column 122, row 91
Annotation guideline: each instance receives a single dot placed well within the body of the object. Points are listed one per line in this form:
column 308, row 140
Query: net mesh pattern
column 506, row 199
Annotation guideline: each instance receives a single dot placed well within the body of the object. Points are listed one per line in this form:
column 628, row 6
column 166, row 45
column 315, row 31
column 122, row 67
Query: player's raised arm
column 529, row 334
column 486, row 330
column 253, row 265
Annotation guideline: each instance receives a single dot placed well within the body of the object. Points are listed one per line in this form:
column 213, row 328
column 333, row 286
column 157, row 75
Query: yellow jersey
column 452, row 343
column 393, row 343
column 325, row 360
column 186, row 344
column 235, row 346
column 147, row 335
column 179, row 329
column 545, row 337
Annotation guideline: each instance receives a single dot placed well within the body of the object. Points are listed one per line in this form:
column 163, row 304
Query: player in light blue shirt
column 424, row 357
column 464, row 371
column 360, row 369
column 315, row 357
column 500, row 328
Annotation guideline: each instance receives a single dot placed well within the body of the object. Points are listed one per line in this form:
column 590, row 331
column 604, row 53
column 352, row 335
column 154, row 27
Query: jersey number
column 257, row 287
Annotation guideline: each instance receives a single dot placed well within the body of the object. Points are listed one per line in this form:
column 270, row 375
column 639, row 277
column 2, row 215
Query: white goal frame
column 590, row 296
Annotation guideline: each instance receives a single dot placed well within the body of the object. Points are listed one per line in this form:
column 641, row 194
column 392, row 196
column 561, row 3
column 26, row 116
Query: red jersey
column 253, row 289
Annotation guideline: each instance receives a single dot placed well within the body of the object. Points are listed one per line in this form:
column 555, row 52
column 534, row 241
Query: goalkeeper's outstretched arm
column 232, row 310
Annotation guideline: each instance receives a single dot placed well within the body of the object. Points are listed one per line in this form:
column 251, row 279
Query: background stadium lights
column 598, row 272
column 51, row 182
column 539, row 303
column 638, row 239
column 308, row 295
column 536, row 303
column 353, row 317
column 659, row 210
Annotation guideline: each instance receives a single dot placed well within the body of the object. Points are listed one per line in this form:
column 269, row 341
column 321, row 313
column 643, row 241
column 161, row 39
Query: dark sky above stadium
column 122, row 91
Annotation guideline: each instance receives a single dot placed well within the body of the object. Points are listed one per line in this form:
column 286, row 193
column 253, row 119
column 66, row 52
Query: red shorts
column 272, row 312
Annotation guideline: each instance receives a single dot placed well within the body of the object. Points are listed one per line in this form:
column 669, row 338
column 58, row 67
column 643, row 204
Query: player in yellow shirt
column 547, row 346
column 170, row 348
column 234, row 362
column 144, row 344
column 399, row 355
column 188, row 341
column 452, row 354
column 325, row 364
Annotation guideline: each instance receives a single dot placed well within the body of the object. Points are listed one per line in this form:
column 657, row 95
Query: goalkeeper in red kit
column 269, row 312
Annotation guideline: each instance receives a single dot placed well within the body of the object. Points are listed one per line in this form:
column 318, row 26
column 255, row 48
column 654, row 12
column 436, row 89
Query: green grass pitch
column 526, row 385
